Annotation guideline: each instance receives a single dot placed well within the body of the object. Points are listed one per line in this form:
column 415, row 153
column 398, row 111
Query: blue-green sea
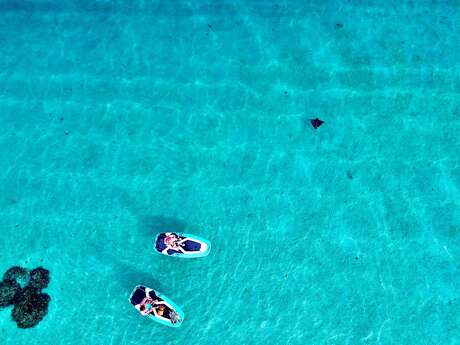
column 120, row 119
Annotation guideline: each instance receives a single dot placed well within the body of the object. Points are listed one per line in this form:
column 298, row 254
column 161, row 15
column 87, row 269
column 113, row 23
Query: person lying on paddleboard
column 150, row 306
column 173, row 242
column 158, row 309
column 181, row 245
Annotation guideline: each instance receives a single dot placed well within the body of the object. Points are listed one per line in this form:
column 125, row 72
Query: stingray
column 316, row 123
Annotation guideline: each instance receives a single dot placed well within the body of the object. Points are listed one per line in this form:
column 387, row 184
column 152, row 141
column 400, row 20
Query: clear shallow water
column 120, row 120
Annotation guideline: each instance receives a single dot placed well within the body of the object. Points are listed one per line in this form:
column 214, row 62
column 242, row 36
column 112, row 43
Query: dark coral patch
column 30, row 304
column 30, row 308
column 316, row 123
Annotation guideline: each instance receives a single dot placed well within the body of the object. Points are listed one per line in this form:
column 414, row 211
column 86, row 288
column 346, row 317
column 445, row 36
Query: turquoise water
column 120, row 119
